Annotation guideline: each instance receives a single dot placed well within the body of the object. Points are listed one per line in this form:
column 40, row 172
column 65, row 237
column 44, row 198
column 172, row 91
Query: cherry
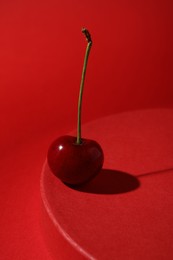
column 75, row 160
column 75, row 163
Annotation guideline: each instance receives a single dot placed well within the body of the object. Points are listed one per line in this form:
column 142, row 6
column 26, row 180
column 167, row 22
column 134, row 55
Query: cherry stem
column 88, row 38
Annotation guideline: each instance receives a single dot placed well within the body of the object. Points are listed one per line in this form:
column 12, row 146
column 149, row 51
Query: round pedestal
column 126, row 211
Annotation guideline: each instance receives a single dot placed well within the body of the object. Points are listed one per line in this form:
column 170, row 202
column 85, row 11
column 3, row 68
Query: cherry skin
column 75, row 163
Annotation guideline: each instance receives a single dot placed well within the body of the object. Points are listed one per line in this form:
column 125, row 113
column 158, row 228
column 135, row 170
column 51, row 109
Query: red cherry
column 73, row 159
column 75, row 163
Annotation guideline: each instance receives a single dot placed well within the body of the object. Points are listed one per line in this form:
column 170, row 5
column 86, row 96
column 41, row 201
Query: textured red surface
column 126, row 212
column 41, row 53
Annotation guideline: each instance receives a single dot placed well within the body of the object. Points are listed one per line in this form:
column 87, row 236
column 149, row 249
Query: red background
column 41, row 57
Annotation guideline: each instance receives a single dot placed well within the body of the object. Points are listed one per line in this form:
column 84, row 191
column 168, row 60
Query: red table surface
column 41, row 56
column 126, row 212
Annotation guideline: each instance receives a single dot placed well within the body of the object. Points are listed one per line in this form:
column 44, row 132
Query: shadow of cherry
column 109, row 182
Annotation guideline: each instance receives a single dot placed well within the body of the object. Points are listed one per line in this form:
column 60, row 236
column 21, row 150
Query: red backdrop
column 41, row 57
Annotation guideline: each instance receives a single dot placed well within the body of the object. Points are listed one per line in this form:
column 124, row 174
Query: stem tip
column 87, row 35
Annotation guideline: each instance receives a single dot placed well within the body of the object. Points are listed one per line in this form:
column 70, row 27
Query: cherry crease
column 75, row 163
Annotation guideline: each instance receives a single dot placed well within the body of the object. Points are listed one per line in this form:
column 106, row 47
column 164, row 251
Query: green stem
column 88, row 37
